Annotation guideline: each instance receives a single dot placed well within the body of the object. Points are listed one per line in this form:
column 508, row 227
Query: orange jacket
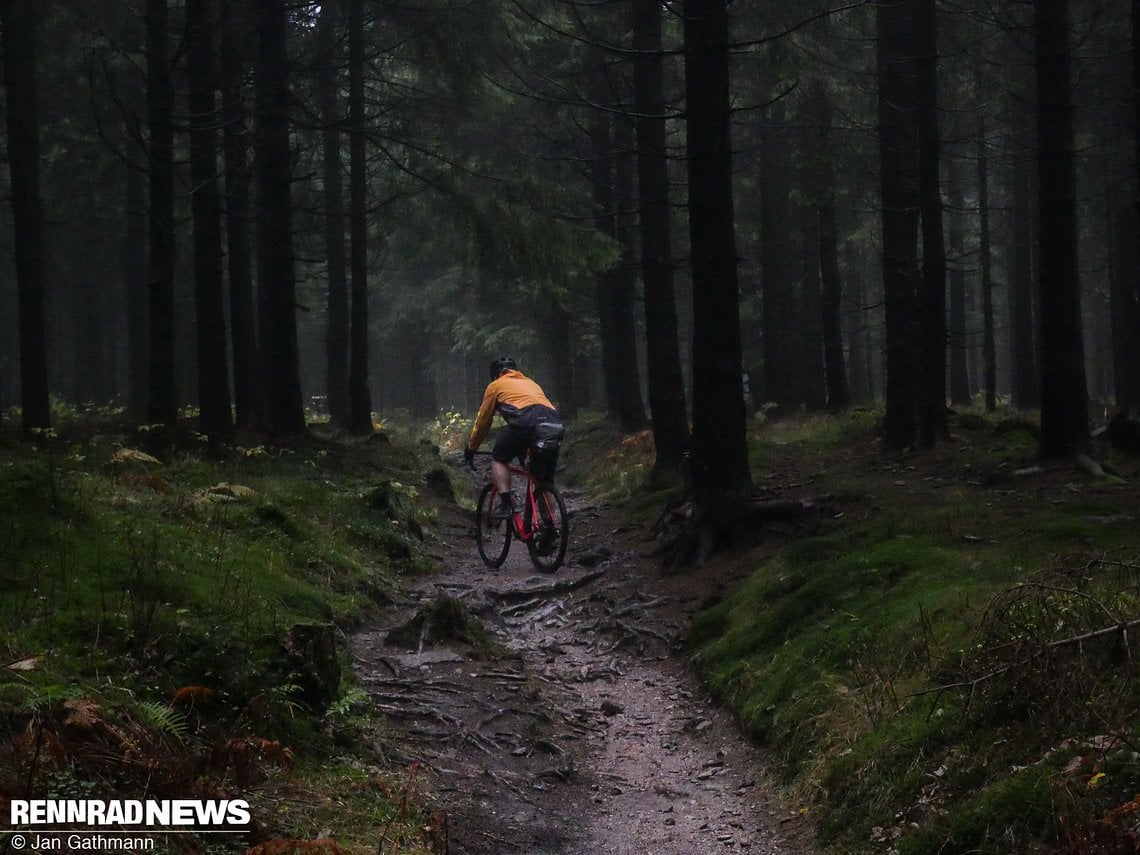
column 510, row 393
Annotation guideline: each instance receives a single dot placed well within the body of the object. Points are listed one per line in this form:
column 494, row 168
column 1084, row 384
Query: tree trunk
column 862, row 389
column 777, row 275
column 135, row 281
column 1126, row 303
column 337, row 329
column 811, row 378
column 899, row 179
column 276, row 278
column 19, row 45
column 1023, row 351
column 631, row 407
column 215, row 414
column 663, row 356
column 559, row 335
column 612, row 185
column 243, row 316
column 719, row 461
column 360, row 397
column 1064, row 397
column 960, row 392
column 163, row 383
column 933, row 426
column 831, row 297
column 989, row 349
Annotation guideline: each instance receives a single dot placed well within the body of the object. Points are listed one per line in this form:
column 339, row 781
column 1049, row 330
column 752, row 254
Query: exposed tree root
column 550, row 589
column 708, row 529
column 1087, row 464
column 1123, row 431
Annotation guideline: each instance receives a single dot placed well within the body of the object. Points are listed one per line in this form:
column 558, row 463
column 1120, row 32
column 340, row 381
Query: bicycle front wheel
column 551, row 532
column 492, row 536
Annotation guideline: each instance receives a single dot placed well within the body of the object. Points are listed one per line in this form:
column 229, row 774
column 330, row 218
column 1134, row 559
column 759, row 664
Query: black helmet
column 503, row 363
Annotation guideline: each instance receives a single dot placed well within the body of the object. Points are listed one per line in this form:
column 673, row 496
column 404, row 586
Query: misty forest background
column 244, row 211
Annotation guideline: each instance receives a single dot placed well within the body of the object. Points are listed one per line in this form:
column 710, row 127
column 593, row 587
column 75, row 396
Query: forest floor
column 563, row 713
column 579, row 727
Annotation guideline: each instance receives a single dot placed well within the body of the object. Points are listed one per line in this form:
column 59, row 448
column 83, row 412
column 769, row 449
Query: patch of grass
column 818, row 431
column 377, row 811
column 608, row 466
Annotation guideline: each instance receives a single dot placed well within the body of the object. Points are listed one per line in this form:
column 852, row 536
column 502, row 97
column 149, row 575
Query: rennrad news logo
column 152, row 814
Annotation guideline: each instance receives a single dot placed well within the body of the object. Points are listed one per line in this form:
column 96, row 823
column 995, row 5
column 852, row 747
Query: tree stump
column 311, row 659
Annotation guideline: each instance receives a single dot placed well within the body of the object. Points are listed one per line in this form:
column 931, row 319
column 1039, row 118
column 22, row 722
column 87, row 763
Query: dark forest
column 243, row 213
column 839, row 303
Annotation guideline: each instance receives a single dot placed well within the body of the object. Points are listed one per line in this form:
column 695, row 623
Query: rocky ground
column 582, row 731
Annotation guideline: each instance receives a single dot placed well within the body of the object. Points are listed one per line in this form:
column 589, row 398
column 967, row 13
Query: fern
column 40, row 699
column 344, row 704
column 163, row 719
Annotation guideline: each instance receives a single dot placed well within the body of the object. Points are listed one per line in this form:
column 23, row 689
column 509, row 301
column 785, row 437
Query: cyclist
column 531, row 421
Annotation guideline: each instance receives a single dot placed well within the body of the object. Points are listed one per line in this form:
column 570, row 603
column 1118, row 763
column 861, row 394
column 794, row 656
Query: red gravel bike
column 541, row 523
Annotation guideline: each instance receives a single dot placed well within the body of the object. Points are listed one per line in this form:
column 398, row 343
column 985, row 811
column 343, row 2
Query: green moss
column 125, row 580
column 850, row 653
column 1010, row 815
column 134, row 555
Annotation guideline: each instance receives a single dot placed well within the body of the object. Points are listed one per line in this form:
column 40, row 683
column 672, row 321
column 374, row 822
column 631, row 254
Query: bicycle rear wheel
column 547, row 546
column 492, row 536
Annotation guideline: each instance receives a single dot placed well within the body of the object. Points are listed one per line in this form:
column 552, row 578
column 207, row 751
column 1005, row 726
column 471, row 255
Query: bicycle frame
column 531, row 501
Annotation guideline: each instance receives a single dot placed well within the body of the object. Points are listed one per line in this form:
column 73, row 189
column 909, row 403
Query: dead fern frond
column 247, row 756
column 272, row 751
column 133, row 455
column 224, row 492
column 192, row 696
column 1118, row 831
column 319, row 846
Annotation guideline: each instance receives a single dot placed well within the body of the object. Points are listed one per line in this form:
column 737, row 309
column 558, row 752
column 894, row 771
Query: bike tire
column 548, row 562
column 493, row 537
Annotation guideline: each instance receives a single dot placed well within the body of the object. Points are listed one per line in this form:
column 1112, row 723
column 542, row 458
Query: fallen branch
column 1097, row 633
column 1074, row 640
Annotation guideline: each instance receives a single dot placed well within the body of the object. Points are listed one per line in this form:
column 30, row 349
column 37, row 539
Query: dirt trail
column 588, row 735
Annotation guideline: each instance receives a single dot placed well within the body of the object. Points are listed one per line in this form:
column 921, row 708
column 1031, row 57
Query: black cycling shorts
column 512, row 442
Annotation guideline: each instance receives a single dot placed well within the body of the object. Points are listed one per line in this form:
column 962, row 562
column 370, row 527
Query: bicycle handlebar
column 471, row 466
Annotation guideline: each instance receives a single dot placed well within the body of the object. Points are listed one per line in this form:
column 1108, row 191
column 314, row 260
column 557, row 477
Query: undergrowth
column 948, row 664
column 612, row 468
column 171, row 617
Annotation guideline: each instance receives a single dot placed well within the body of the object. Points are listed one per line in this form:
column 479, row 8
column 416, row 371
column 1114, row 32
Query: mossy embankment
column 944, row 660
column 172, row 619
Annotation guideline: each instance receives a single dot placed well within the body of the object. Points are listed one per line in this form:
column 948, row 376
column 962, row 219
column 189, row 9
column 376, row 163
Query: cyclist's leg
column 511, row 442
column 501, row 477
column 543, row 462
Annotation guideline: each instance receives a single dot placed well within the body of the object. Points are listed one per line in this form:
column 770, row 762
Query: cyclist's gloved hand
column 468, row 456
